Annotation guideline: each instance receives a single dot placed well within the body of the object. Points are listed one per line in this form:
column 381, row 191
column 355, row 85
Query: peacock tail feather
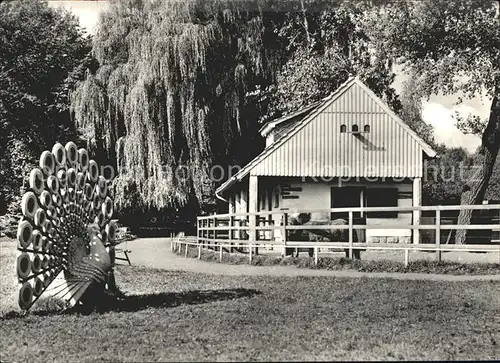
column 66, row 235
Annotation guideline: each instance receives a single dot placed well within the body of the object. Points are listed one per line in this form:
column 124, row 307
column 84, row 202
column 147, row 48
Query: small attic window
column 367, row 128
column 355, row 128
column 343, row 128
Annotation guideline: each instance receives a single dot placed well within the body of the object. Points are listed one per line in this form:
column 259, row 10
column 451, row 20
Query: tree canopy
column 178, row 86
column 454, row 48
column 446, row 176
column 43, row 52
column 325, row 48
column 411, row 110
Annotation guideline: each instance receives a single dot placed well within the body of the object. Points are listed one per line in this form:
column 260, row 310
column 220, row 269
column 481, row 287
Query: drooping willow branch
column 171, row 88
column 172, row 84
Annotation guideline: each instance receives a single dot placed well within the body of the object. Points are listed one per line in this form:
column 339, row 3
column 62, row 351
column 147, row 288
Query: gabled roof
column 315, row 111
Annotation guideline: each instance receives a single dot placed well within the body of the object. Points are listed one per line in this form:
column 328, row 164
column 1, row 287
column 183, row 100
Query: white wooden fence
column 230, row 231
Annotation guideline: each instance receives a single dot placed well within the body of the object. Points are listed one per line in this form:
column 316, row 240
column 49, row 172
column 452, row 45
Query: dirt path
column 156, row 253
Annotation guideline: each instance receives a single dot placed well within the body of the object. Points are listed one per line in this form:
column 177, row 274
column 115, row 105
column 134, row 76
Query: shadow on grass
column 168, row 300
column 133, row 303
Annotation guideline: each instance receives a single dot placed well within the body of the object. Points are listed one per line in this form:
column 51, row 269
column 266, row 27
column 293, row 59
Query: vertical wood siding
column 319, row 149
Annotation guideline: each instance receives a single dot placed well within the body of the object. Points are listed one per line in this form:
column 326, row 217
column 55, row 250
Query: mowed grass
column 180, row 316
column 8, row 280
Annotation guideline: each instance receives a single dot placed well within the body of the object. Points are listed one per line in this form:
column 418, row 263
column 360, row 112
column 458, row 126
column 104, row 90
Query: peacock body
column 66, row 235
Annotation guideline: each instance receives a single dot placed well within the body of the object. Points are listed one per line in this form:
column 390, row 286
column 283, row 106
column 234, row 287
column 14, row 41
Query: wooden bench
column 121, row 233
column 125, row 252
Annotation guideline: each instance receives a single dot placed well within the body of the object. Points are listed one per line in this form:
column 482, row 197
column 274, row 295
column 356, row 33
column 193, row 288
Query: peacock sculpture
column 66, row 235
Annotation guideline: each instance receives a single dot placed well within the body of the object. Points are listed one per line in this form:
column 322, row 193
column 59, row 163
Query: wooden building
column 348, row 150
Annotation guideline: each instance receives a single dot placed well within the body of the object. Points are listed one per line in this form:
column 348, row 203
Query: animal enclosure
column 232, row 232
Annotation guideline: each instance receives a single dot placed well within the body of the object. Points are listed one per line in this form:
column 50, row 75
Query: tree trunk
column 475, row 188
column 306, row 24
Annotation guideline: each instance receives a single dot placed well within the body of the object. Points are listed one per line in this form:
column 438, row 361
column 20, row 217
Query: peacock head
column 93, row 230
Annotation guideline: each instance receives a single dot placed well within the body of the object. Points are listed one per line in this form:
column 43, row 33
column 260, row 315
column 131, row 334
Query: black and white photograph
column 249, row 180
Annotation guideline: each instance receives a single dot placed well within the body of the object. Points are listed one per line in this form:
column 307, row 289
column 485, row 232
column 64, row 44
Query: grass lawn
column 179, row 316
column 188, row 316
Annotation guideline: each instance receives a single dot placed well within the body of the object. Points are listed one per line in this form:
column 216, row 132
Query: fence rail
column 238, row 230
column 181, row 244
column 363, row 209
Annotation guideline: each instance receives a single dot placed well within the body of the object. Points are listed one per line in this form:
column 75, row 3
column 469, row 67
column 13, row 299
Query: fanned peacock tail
column 66, row 236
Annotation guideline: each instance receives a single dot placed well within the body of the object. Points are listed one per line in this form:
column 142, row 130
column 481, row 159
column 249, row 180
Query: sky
column 437, row 111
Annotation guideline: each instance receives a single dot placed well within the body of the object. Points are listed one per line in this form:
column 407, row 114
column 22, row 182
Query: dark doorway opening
column 346, row 197
column 350, row 197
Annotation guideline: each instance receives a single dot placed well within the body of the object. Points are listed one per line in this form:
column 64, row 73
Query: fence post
column 208, row 223
column 206, row 233
column 199, row 252
column 350, row 234
column 198, row 231
column 250, row 253
column 438, row 235
column 186, row 253
column 407, row 257
column 316, row 255
column 257, row 236
column 231, row 232
column 203, row 223
column 220, row 252
column 238, row 230
column 215, row 233
column 284, row 222
column 209, row 235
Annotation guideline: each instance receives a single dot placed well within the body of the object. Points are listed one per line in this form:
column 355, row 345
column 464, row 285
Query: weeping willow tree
column 168, row 100
column 173, row 94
